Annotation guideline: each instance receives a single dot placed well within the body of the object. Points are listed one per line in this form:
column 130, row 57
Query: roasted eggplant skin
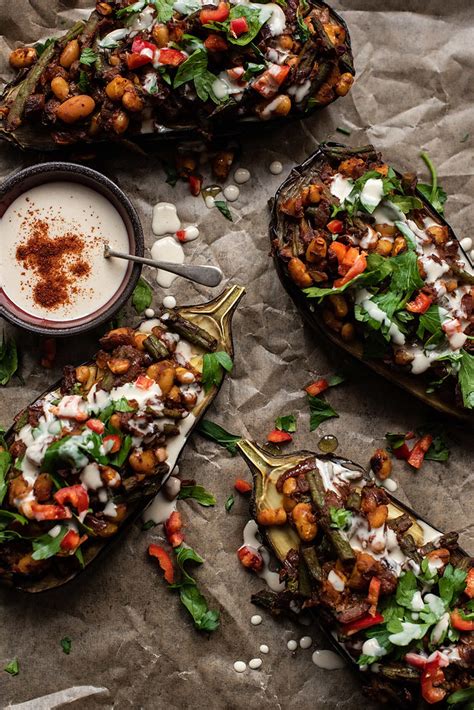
column 447, row 398
column 207, row 327
column 299, row 60
column 328, row 485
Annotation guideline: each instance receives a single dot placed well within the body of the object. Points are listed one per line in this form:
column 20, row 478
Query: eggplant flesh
column 130, row 73
column 71, row 487
column 321, row 576
column 435, row 363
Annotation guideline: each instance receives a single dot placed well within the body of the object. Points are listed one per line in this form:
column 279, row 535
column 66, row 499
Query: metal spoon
column 205, row 275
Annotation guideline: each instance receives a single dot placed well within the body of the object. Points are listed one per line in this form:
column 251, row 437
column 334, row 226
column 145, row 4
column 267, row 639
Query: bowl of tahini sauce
column 55, row 219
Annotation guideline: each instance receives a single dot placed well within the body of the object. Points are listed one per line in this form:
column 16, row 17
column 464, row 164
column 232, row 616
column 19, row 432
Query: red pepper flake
column 56, row 262
column 242, row 486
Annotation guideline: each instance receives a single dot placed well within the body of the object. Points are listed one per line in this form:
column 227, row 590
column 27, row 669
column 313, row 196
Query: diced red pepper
column 220, row 14
column 421, row 303
column 401, row 452
column 136, row 60
column 415, row 660
column 316, row 387
column 95, row 425
column 348, row 260
column 335, row 226
column 239, row 26
column 173, row 527
column 250, row 558
column 431, row 677
column 139, row 44
column 359, row 624
column 181, row 235
column 144, row 383
column 49, row 512
column 469, row 591
column 215, row 43
column 373, row 595
column 457, row 622
column 48, row 352
column 195, row 184
column 72, row 540
column 268, row 83
column 359, row 267
column 279, row 437
column 242, row 486
column 172, row 57
column 76, row 495
column 418, row 452
column 236, row 73
column 116, row 443
column 164, row 560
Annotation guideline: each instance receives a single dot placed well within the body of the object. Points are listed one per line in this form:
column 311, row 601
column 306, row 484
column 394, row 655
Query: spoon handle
column 205, row 275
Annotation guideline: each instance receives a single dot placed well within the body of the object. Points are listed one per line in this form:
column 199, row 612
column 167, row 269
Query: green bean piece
column 155, row 347
column 173, row 413
column 28, row 85
column 311, row 558
column 399, row 672
column 107, row 381
column 192, row 332
column 304, row 582
column 318, row 494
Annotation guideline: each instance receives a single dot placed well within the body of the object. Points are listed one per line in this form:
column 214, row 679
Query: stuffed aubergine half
column 85, row 458
column 171, row 68
column 371, row 264
column 394, row 595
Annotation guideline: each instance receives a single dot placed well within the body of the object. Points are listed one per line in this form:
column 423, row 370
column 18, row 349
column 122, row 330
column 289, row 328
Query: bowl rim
column 110, row 190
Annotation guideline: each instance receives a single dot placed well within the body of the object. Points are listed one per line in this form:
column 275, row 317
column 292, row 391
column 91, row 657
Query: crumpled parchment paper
column 133, row 645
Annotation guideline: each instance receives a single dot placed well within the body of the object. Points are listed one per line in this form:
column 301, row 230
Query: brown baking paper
column 133, row 645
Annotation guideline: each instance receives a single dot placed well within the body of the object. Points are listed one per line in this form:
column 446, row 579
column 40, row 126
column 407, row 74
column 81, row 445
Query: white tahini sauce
column 167, row 249
column 256, row 620
column 276, row 167
column 241, row 176
column 66, row 207
column 169, row 302
column 264, row 648
column 251, row 540
column 305, row 642
column 165, row 219
column 292, row 645
column 255, row 663
column 231, row 193
column 240, row 667
column 149, row 313
column 328, row 660
column 188, row 234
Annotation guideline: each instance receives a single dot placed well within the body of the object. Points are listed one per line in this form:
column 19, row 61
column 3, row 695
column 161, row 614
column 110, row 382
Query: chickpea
column 118, row 365
column 161, row 454
column 27, row 565
column 107, row 530
column 161, row 35
column 70, row 54
column 115, row 421
column 348, row 332
column 189, row 399
column 330, row 320
column 271, row 516
column 339, row 305
column 289, row 486
column 174, row 394
column 23, row 57
column 143, row 461
column 402, row 357
column 139, row 339
column 377, row 517
column 451, row 285
column 82, row 373
column 120, row 122
column 317, row 250
column 441, row 554
column 421, row 268
column 222, row 163
column 336, row 35
column 185, row 377
column 344, row 84
column 399, row 246
column 115, row 89
column 282, row 106
column 288, row 504
column 314, row 194
column 305, row 521
column 75, row 108
column 104, row 9
column 43, row 487
column 381, row 464
column 286, row 42
column 385, row 230
column 384, row 247
column 60, row 88
column 351, row 167
column 439, row 235
column 131, row 101
column 299, row 273
column 110, row 477
column 114, row 60
column 185, row 164
column 18, row 488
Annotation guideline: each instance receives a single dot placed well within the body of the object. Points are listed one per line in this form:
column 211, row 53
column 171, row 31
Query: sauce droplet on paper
column 165, row 219
column 241, row 176
column 149, row 313
column 256, row 619
column 328, row 444
column 169, row 302
column 389, row 484
column 264, row 648
column 188, row 234
column 231, row 193
column 240, row 666
column 306, row 641
column 255, row 663
column 276, row 167
column 167, row 249
column 292, row 645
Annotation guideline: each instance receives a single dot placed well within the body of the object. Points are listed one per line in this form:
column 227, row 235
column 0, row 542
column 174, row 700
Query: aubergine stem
column 311, row 558
column 317, row 490
column 155, row 347
column 27, row 87
column 192, row 332
column 90, row 28
column 341, row 151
